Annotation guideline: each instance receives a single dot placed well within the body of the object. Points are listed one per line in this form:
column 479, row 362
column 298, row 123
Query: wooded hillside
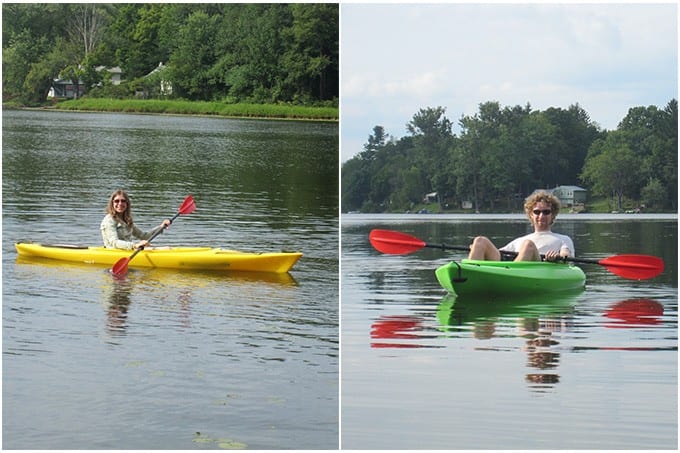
column 261, row 53
column 504, row 153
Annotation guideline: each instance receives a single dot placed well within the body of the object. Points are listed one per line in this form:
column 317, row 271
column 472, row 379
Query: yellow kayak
column 174, row 258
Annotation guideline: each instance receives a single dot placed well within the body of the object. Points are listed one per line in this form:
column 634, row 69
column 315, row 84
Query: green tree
column 356, row 184
column 430, row 124
column 654, row 194
column 359, row 180
column 29, row 58
column 612, row 168
column 311, row 60
column 487, row 155
column 194, row 56
column 251, row 46
column 651, row 133
column 575, row 132
column 467, row 155
column 137, row 40
column 431, row 135
column 17, row 60
column 376, row 142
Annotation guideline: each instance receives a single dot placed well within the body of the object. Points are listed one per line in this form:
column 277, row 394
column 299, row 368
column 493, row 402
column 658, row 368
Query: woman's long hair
column 126, row 216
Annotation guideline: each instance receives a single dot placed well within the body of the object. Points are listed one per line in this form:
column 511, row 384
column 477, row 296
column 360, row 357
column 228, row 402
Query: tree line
column 503, row 154
column 249, row 52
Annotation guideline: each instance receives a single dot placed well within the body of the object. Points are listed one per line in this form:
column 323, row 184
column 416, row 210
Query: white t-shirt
column 545, row 241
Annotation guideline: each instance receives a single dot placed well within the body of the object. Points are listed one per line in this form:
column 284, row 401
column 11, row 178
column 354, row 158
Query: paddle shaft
column 448, row 247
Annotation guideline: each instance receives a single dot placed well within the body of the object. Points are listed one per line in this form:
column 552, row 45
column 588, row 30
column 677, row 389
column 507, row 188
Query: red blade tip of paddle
column 393, row 242
column 188, row 206
column 637, row 267
column 120, row 268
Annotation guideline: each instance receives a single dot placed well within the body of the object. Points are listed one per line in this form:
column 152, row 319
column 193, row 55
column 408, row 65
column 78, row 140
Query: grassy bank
column 180, row 107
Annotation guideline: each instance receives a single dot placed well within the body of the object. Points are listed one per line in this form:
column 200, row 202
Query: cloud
column 423, row 84
column 398, row 58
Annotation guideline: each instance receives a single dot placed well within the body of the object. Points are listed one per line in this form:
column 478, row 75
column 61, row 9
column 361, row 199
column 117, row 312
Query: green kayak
column 472, row 277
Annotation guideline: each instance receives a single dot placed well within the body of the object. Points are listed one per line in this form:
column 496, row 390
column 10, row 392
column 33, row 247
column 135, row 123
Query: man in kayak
column 118, row 230
column 541, row 208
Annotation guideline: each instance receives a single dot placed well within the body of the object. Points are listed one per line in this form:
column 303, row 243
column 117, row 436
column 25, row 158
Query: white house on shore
column 570, row 196
column 165, row 86
column 115, row 72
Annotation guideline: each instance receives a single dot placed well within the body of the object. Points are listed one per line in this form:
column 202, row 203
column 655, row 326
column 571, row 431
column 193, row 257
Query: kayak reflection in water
column 118, row 230
column 542, row 209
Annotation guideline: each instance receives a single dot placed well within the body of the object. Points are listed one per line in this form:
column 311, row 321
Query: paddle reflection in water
column 634, row 313
column 399, row 327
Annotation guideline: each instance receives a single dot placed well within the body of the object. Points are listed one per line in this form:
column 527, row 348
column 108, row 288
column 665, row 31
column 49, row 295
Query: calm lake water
column 422, row 370
column 166, row 359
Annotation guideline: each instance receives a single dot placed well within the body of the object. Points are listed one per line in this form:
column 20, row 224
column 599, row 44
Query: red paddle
column 120, row 268
column 636, row 267
column 396, row 243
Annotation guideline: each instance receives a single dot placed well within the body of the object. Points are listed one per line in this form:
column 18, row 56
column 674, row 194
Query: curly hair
column 545, row 197
column 126, row 216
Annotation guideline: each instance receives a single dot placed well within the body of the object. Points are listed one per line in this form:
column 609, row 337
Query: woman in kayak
column 118, row 230
column 541, row 208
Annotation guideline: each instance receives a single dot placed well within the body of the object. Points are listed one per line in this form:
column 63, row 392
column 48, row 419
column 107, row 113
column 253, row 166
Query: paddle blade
column 394, row 242
column 188, row 206
column 636, row 267
column 120, row 268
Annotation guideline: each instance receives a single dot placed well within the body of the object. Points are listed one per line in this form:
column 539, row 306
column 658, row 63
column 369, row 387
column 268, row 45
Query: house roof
column 158, row 68
column 572, row 188
column 114, row 70
column 568, row 188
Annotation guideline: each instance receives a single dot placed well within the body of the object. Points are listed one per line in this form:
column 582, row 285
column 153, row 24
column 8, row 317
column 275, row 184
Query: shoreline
column 191, row 108
column 358, row 218
column 198, row 115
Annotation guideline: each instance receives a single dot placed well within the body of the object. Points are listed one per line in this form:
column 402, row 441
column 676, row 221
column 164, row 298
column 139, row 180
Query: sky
column 398, row 58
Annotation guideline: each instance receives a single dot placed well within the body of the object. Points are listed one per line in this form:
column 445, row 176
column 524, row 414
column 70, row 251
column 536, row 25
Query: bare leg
column 483, row 249
column 528, row 252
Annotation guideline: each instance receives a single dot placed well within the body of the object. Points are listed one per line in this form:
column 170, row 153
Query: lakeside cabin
column 67, row 89
column 573, row 197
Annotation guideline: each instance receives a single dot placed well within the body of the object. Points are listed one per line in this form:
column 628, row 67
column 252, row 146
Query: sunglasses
column 119, row 201
column 542, row 211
